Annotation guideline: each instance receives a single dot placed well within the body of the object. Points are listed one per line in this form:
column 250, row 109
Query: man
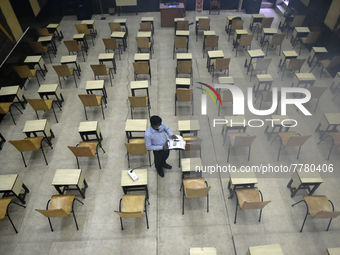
column 156, row 140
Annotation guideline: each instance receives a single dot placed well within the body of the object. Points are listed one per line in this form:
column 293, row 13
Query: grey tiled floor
column 170, row 232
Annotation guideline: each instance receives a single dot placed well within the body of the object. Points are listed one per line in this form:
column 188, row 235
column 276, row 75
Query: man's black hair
column 155, row 120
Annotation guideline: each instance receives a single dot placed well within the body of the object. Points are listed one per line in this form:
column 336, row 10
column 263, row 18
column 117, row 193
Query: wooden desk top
column 183, row 81
column 137, row 125
column 241, row 31
column 88, row 22
column 98, row 84
column 35, row 125
column 115, row 34
column 215, row 54
column 142, row 57
column 9, row 90
column 273, row 249
column 87, row 126
column 226, row 80
column 319, row 49
column 290, row 53
column 302, row 29
column 239, row 178
column 182, row 56
column 48, row 88
column 332, row 251
column 45, row 38
column 146, row 19
column 52, row 25
column 67, row 177
column 78, row 36
column 178, row 19
column 258, row 15
column 182, row 32
column 209, row 32
column 264, row 77
column 238, row 119
column 309, row 177
column 142, row 178
column 144, row 34
column 279, row 118
column 119, row 20
column 68, row 59
column 106, row 56
column 202, row 17
column 188, row 125
column 170, row 6
column 7, row 181
column 189, row 164
column 232, row 17
column 203, row 251
column 32, row 59
column 139, row 84
column 270, row 31
column 305, row 76
column 333, row 118
column 256, row 53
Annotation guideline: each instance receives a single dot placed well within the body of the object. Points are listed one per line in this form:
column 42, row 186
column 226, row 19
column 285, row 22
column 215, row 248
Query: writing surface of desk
column 168, row 14
column 203, row 251
column 141, row 184
column 332, row 251
column 272, row 249
column 11, row 185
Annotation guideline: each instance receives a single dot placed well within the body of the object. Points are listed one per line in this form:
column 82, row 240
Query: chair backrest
column 110, row 43
column 82, row 29
column 40, row 104
column 203, row 24
column 115, row 27
column 297, row 140
column 182, row 25
column 88, row 99
column 222, row 63
column 99, row 69
column 4, row 203
column 37, row 47
column 137, row 102
column 191, row 191
column 226, row 96
column 129, row 214
column 245, row 40
column 82, row 151
column 23, row 71
column 43, row 32
column 27, row 144
column 254, row 205
column 62, row 70
column 181, row 42
column 237, row 24
column 295, row 64
column 184, row 67
column 72, row 45
column 192, row 143
column 249, row 198
column 143, row 42
column 211, row 41
column 263, row 63
column 53, row 213
column 267, row 22
column 327, row 215
column 335, row 61
column 141, row 67
column 244, row 141
column 5, row 107
column 298, row 20
column 145, row 26
column 184, row 94
column 312, row 37
column 316, row 92
column 277, row 39
column 136, row 146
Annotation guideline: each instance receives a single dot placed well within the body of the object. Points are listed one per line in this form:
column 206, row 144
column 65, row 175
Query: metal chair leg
column 236, row 209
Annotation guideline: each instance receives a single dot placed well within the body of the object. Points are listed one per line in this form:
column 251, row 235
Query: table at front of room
column 188, row 126
column 135, row 125
column 64, row 178
column 11, row 184
column 328, row 123
column 128, row 184
column 37, row 126
column 240, row 180
column 169, row 12
column 304, row 179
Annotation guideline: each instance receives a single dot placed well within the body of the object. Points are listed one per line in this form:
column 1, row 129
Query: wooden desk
column 149, row 19
column 142, row 57
column 188, row 166
column 238, row 33
column 255, row 18
column 73, row 59
column 81, row 38
column 36, row 126
column 223, row 80
column 328, row 123
column 96, row 85
column 46, row 90
column 122, row 22
column 303, row 78
column 136, row 125
column 214, row 54
column 121, row 36
column 121, row 3
column 265, row 79
column 203, row 251
column 64, row 178
column 277, row 123
column 267, row 32
column 104, row 57
column 141, row 184
column 91, row 24
column 272, row 249
column 237, row 122
column 229, row 23
column 240, row 180
column 304, row 180
column 8, row 91
column 188, row 126
column 46, row 40
column 332, row 251
column 90, row 128
column 252, row 54
column 287, row 55
column 169, row 12
column 184, row 33
column 315, row 52
column 55, row 28
column 299, row 32
column 183, row 83
column 184, row 56
column 11, row 185
column 137, row 85
column 37, row 60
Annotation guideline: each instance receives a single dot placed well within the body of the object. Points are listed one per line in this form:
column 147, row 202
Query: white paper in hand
column 177, row 144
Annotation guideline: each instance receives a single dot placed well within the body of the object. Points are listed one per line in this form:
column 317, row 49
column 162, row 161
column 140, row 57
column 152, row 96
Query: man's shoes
column 167, row 166
column 160, row 173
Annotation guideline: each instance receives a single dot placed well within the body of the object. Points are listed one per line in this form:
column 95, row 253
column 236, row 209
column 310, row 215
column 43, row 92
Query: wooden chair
column 335, row 140
column 73, row 46
column 319, row 207
column 136, row 146
column 6, row 107
column 291, row 139
column 184, row 67
column 221, row 64
column 182, row 25
column 245, row 41
column 111, row 44
column 211, row 41
column 38, row 48
column 184, row 95
column 141, row 68
column 4, row 204
column 29, row 144
column 60, row 206
column 86, row 149
column 327, row 64
column 292, row 65
column 240, row 140
column 145, row 26
column 132, row 206
column 25, row 72
column 266, row 23
column 139, row 102
column 115, row 27
column 250, row 199
column 65, row 71
column 89, row 100
column 203, row 24
column 311, row 38
column 195, row 187
column 192, row 143
column 226, row 97
column 144, row 43
column 83, row 29
column 215, row 3
column 180, row 43
column 276, row 40
column 42, row 105
column 261, row 64
column 43, row 32
column 316, row 93
column 297, row 22
column 235, row 24
column 99, row 70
